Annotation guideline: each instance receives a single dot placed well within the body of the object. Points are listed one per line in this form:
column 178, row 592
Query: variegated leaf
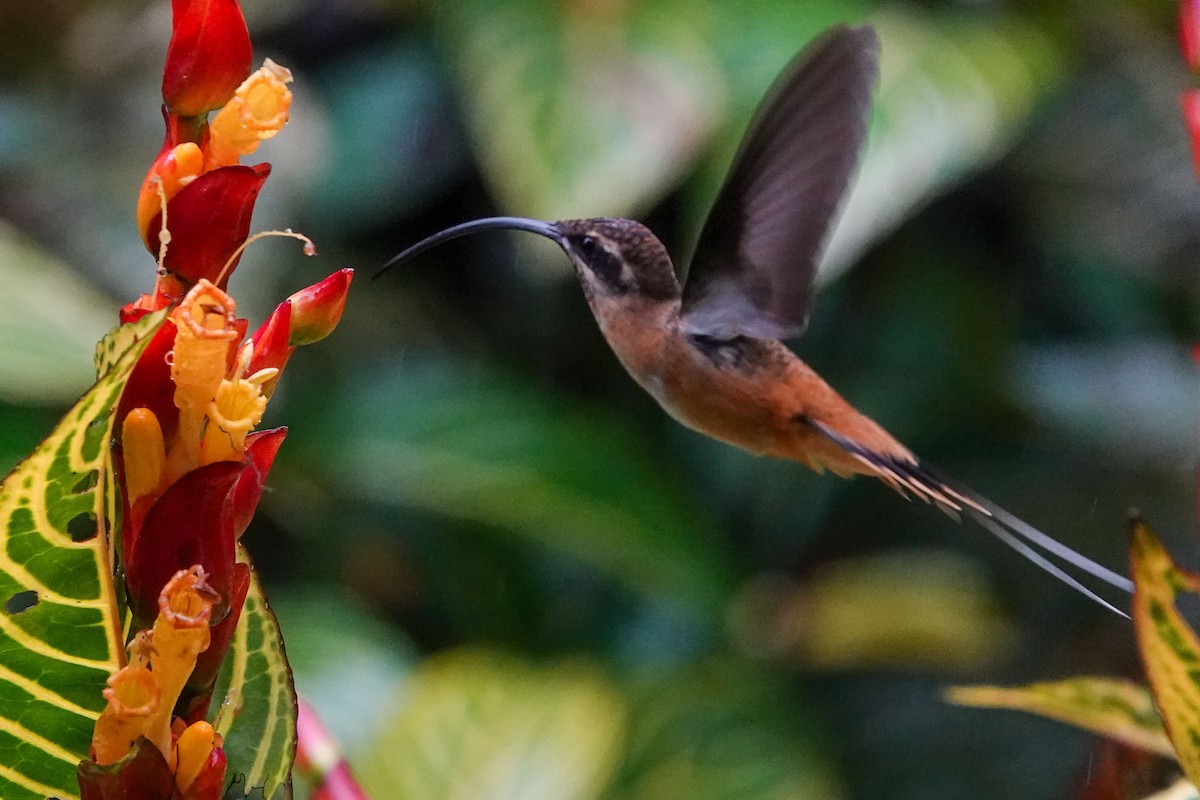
column 257, row 716
column 1170, row 649
column 1112, row 707
column 60, row 635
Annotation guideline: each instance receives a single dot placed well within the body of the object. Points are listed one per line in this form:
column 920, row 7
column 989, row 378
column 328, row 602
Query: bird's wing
column 753, row 269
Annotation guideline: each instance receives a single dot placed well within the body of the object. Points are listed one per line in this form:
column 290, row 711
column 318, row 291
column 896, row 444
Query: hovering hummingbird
column 709, row 350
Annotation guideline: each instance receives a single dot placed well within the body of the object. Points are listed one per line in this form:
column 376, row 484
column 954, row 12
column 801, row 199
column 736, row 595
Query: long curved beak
column 547, row 229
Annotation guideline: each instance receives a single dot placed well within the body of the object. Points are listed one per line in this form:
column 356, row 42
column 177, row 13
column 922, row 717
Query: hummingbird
column 709, row 347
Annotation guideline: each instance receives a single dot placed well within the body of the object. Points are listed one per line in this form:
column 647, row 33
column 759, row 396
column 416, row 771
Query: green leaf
column 1169, row 647
column 583, row 109
column 50, row 322
column 953, row 97
column 722, row 730
column 58, row 509
column 1112, row 707
column 479, row 725
column 257, row 714
column 506, row 456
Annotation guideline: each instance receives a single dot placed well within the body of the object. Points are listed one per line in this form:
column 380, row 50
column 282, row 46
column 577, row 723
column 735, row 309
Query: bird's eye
column 587, row 245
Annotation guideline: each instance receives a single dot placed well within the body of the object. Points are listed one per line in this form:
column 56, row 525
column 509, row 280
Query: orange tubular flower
column 258, row 110
column 133, row 695
column 180, row 635
column 190, row 463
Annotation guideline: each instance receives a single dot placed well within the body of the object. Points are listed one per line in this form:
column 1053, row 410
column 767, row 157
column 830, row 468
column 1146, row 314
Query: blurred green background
column 501, row 570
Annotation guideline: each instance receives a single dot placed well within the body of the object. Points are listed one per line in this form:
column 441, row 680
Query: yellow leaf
column 484, row 725
column 915, row 609
column 1112, row 707
column 1170, row 650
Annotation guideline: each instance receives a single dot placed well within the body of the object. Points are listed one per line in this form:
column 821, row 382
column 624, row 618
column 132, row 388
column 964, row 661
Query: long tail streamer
column 953, row 498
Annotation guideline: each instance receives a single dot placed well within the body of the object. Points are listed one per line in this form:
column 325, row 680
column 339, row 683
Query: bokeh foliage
column 1011, row 293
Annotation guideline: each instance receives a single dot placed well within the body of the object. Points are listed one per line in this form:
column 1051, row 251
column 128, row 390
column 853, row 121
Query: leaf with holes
column 1169, row 647
column 1112, row 707
column 258, row 702
column 60, row 635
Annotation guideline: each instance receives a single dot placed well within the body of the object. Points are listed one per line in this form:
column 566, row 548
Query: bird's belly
column 726, row 405
column 765, row 410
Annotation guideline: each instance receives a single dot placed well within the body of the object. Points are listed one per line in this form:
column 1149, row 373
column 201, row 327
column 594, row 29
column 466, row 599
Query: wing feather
column 754, row 265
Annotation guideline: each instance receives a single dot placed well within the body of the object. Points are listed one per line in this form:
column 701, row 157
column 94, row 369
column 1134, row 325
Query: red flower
column 190, row 466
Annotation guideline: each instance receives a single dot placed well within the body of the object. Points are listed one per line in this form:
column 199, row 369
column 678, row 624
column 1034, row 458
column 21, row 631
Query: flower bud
column 209, row 55
column 317, row 310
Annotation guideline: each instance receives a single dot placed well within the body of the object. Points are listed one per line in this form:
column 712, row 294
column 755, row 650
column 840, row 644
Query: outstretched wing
column 753, row 270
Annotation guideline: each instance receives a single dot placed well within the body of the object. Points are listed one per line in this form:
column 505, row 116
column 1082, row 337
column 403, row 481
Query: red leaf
column 209, row 219
column 208, row 58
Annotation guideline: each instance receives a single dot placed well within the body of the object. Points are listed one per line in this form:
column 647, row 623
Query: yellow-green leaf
column 257, row 714
column 1112, row 707
column 581, row 109
column 918, row 609
column 477, row 726
column 60, row 636
column 1170, row 650
column 51, row 318
column 1180, row 790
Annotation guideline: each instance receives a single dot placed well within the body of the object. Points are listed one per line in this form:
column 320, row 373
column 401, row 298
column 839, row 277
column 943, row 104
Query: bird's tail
column 913, row 477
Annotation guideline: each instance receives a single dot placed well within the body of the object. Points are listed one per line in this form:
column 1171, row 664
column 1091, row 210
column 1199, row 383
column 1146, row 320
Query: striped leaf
column 1170, row 649
column 60, row 635
column 257, row 715
column 1112, row 707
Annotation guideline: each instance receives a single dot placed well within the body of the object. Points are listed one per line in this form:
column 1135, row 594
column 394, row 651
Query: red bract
column 209, row 55
column 141, row 775
column 149, row 385
column 1190, row 101
column 192, row 523
column 317, row 310
column 190, row 466
column 261, row 448
column 307, row 316
column 209, row 220
column 210, row 783
column 193, row 703
column 1189, row 33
